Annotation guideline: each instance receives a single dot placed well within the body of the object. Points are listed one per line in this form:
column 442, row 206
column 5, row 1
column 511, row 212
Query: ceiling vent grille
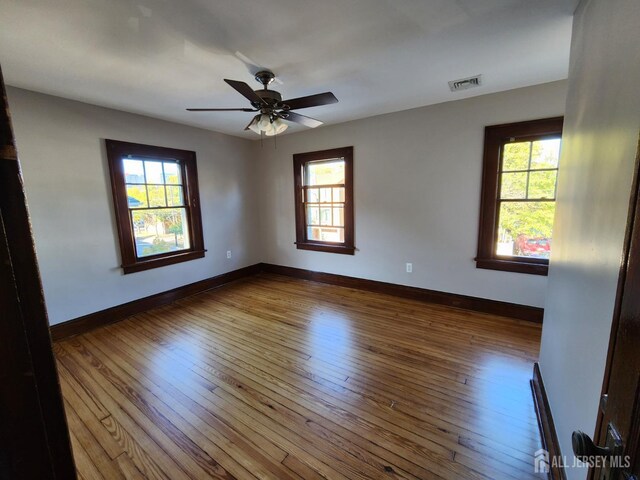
column 464, row 83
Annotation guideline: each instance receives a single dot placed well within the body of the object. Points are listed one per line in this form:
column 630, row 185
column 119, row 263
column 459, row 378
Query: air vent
column 464, row 83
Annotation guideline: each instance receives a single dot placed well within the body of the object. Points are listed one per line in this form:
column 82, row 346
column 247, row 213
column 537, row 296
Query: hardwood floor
column 278, row 378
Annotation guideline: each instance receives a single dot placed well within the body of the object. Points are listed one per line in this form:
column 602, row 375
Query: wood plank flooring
column 277, row 378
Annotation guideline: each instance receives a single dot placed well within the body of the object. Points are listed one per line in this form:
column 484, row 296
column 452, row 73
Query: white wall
column 602, row 122
column 61, row 148
column 417, row 194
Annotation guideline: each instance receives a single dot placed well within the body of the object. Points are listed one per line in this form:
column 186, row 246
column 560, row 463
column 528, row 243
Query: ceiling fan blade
column 316, row 100
column 296, row 117
column 222, row 110
column 245, row 90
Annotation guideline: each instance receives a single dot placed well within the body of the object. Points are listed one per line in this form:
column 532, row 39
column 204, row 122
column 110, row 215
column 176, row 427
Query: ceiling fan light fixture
column 264, row 123
column 276, row 127
column 253, row 126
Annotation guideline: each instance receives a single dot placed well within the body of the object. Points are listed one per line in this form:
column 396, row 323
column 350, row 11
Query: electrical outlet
column 228, row 253
column 409, row 267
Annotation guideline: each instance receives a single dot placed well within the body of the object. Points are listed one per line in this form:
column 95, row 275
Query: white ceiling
column 157, row 57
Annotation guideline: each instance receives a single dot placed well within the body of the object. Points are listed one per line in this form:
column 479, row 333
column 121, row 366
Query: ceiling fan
column 273, row 110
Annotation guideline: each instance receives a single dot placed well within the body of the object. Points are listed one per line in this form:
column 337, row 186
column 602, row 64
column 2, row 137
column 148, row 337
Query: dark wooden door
column 621, row 402
column 34, row 440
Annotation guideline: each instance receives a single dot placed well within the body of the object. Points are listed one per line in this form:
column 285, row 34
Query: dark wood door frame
column 34, row 438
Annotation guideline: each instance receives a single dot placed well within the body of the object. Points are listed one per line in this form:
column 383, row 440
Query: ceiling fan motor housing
column 271, row 97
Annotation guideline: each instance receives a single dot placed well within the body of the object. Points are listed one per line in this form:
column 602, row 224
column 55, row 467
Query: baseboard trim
column 545, row 423
column 120, row 312
column 495, row 307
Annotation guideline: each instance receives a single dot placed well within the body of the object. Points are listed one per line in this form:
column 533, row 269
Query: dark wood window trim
column 495, row 138
column 116, row 151
column 300, row 160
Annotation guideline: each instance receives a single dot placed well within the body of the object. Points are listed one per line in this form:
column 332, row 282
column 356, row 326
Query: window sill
column 162, row 261
column 513, row 266
column 326, row 247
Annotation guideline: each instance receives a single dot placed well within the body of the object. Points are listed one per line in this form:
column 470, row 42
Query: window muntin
column 324, row 200
column 520, row 174
column 154, row 189
column 155, row 193
column 526, row 197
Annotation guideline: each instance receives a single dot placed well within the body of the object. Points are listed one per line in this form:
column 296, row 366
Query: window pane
column 172, row 173
column 133, row 171
column 332, row 235
column 136, row 196
column 313, row 233
column 313, row 216
column 325, row 195
column 516, row 156
column 525, row 229
column 313, row 195
column 545, row 153
column 153, row 172
column 325, row 172
column 338, row 194
column 175, row 196
column 325, row 234
column 156, row 196
column 160, row 231
column 513, row 185
column 325, row 216
column 338, row 216
column 542, row 184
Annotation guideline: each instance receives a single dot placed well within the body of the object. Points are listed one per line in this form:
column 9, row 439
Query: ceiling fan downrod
column 265, row 77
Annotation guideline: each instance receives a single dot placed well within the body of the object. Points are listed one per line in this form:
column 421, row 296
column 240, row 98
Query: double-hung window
column 520, row 174
column 324, row 200
column 157, row 207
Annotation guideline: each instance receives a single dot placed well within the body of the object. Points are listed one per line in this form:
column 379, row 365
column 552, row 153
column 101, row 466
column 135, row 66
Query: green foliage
column 159, row 246
column 516, row 156
column 139, row 193
column 542, row 184
column 513, row 185
column 533, row 219
column 156, row 197
column 176, row 229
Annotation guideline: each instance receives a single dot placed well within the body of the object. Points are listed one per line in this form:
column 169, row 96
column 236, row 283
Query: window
column 324, row 200
column 518, row 195
column 155, row 193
